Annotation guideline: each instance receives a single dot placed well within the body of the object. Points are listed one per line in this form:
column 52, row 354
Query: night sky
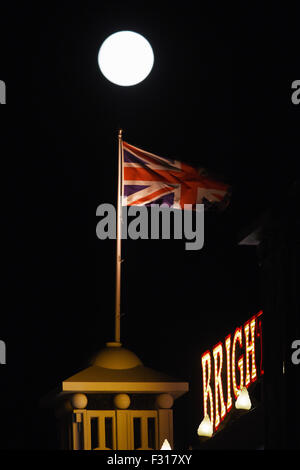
column 219, row 96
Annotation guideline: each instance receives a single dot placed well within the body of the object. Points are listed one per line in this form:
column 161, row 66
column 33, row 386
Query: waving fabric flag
column 150, row 179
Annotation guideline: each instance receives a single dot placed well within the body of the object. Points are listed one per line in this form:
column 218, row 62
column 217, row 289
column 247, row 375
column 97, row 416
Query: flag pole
column 118, row 240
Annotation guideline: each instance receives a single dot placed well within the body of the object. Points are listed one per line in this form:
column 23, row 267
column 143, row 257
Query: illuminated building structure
column 276, row 237
column 117, row 404
column 273, row 421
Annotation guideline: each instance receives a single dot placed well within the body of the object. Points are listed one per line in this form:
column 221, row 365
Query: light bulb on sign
column 243, row 401
column 205, row 429
column 125, row 58
column 166, row 445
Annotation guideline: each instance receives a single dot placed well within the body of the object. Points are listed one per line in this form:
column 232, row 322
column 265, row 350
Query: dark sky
column 218, row 96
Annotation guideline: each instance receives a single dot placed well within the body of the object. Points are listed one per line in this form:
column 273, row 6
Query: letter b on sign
column 2, row 92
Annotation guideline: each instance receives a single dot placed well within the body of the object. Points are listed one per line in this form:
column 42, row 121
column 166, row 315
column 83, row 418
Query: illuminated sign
column 230, row 366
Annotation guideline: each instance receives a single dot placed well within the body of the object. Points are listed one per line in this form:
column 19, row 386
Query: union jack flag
column 149, row 179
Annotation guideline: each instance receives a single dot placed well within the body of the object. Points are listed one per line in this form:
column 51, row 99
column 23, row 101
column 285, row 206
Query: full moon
column 125, row 58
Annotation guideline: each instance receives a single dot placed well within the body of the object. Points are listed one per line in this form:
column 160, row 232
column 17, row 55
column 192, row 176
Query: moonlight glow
column 125, row 58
